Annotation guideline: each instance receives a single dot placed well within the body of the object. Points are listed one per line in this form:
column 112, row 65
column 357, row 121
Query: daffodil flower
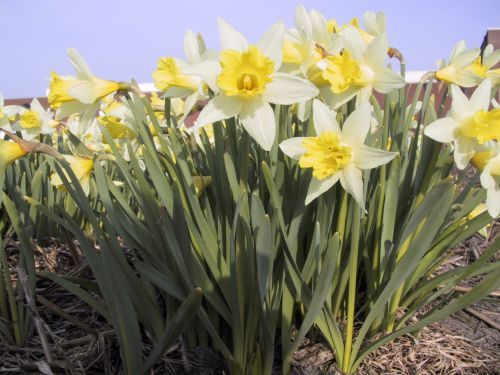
column 490, row 180
column 82, row 167
column 358, row 71
column 375, row 25
column 4, row 119
column 178, row 78
column 482, row 65
column 33, row 121
column 308, row 42
column 80, row 94
column 470, row 126
column 336, row 154
column 248, row 81
column 456, row 70
column 9, row 152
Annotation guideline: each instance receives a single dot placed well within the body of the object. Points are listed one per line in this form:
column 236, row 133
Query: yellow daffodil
column 483, row 65
column 308, row 42
column 490, row 180
column 471, row 123
column 335, row 154
column 79, row 94
column 117, row 128
column 201, row 183
column 358, row 71
column 9, row 152
column 248, row 82
column 82, row 167
column 33, row 121
column 168, row 77
column 456, row 71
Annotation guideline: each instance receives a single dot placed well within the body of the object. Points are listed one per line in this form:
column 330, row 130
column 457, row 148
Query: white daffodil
column 4, row 118
column 81, row 94
column 178, row 78
column 482, row 65
column 470, row 126
column 490, row 180
column 375, row 25
column 248, row 81
column 336, row 154
column 455, row 70
column 308, row 42
column 33, row 121
column 358, row 71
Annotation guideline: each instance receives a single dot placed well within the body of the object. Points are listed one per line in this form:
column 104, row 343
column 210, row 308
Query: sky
column 123, row 39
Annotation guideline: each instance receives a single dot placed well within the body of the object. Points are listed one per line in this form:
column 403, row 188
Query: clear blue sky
column 123, row 39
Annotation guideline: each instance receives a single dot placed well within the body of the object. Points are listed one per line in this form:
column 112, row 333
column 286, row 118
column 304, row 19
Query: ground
column 82, row 343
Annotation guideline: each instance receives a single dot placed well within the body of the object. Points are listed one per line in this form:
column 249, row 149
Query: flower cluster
column 317, row 66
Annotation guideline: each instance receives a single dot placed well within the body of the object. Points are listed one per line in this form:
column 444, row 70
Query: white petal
column 480, row 99
column 191, row 47
column 464, row 151
column 386, row 80
column 81, row 67
column 368, row 157
column 351, row 179
column 230, row 38
column 374, row 22
column 363, row 95
column 319, row 26
column 336, row 100
column 220, row 108
column 317, row 187
column 207, row 70
column 442, row 130
column 271, row 43
column 459, row 103
column 189, row 104
column 465, row 58
column 303, row 22
column 37, row 107
column 354, row 43
column 458, row 48
column 491, row 59
column 69, row 108
column 287, row 89
column 357, row 125
column 304, row 110
column 293, row 147
column 487, row 180
column 376, row 52
column 324, row 118
column 493, row 201
column 83, row 91
column 257, row 117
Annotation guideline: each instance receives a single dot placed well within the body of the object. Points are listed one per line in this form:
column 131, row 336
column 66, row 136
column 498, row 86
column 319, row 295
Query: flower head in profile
column 336, row 154
column 82, row 168
column 483, row 65
column 9, row 152
column 470, row 125
column 490, row 180
column 247, row 82
column 32, row 121
column 80, row 93
column 456, row 70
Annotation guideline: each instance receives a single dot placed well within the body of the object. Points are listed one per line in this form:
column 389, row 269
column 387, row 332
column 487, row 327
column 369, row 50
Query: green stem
column 351, row 298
